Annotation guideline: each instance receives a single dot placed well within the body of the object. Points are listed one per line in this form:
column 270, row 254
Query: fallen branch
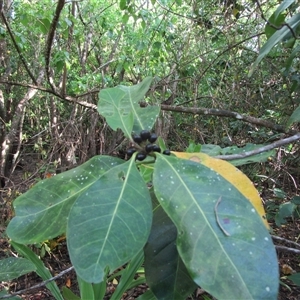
column 226, row 114
column 38, row 285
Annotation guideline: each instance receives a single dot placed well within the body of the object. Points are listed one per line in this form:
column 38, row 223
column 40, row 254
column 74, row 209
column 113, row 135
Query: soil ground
column 58, row 260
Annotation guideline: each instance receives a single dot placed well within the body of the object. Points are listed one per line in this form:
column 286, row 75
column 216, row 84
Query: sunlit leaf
column 120, row 106
column 109, row 223
column 238, row 179
column 221, row 239
column 14, row 267
column 42, row 212
column 166, row 274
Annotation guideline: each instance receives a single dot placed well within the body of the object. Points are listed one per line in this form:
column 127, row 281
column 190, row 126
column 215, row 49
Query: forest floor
column 57, row 260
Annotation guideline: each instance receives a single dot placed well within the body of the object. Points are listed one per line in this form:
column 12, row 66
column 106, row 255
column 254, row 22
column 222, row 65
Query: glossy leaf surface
column 109, row 223
column 42, row 212
column 221, row 239
column 14, row 267
column 166, row 274
column 120, row 106
column 232, row 174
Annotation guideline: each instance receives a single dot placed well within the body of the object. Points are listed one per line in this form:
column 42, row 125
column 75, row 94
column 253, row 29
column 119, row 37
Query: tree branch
column 59, row 7
column 262, row 149
column 227, row 114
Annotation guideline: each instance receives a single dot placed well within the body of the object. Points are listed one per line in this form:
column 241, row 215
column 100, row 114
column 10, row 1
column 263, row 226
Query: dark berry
column 167, row 152
column 145, row 135
column 130, row 151
column 156, row 148
column 141, row 156
column 152, row 138
column 149, row 148
column 137, row 138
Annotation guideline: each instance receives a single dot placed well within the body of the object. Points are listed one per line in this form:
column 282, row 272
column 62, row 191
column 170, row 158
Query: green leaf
column 120, row 106
column 123, row 4
column 157, row 45
column 41, row 270
column 146, row 171
column 295, row 278
column 275, row 20
column 148, row 295
column 127, row 279
column 219, row 231
column 166, row 274
column 277, row 37
column 193, row 147
column 109, row 223
column 296, row 200
column 14, row 267
column 285, row 210
column 69, row 295
column 44, row 25
column 86, row 289
column 42, row 212
column 295, row 117
column 283, row 6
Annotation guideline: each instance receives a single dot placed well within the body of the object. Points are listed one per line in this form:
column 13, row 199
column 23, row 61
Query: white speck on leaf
column 266, row 238
column 253, row 210
column 253, row 238
column 267, row 289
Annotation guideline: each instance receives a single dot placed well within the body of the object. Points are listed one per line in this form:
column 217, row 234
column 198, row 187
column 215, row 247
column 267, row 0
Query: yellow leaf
column 231, row 174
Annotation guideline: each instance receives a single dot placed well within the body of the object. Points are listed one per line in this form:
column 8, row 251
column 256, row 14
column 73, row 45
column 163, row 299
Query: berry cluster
column 145, row 139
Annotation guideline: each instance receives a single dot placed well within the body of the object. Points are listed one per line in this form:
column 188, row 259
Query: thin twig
column 38, row 285
column 217, row 218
